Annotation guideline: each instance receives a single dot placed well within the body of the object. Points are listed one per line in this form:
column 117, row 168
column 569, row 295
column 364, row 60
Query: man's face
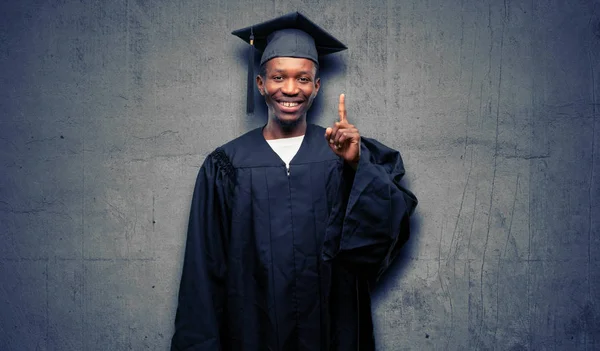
column 289, row 88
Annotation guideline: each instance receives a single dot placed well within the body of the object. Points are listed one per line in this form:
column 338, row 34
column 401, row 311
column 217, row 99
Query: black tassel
column 250, row 93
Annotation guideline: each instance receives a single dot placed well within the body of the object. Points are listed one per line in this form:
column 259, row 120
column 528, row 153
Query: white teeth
column 289, row 104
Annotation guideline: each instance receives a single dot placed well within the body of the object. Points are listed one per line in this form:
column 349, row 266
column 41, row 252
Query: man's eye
column 304, row 79
column 277, row 78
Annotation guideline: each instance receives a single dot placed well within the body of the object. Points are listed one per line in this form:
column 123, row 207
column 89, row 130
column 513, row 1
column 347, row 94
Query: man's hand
column 344, row 138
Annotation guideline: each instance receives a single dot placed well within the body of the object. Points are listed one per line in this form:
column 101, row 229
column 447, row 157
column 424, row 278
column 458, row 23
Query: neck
column 277, row 130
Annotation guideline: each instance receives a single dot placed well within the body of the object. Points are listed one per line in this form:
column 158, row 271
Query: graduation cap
column 291, row 35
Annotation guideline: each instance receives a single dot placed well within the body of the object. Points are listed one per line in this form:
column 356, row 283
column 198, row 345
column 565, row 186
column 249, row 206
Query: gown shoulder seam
column 223, row 162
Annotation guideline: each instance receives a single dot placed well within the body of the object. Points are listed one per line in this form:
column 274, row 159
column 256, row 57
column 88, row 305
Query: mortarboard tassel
column 250, row 93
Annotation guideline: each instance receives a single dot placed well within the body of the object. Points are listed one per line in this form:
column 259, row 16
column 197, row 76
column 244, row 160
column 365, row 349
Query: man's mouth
column 289, row 106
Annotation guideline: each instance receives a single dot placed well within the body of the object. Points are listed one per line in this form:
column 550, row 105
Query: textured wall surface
column 108, row 108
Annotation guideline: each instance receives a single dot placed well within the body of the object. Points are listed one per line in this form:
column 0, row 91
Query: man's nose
column 290, row 87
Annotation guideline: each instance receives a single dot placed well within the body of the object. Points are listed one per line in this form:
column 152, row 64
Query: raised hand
column 343, row 137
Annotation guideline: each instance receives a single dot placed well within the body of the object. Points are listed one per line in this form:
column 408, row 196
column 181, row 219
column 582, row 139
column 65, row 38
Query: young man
column 290, row 223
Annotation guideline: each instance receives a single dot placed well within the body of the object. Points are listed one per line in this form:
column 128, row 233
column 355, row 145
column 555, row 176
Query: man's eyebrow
column 284, row 71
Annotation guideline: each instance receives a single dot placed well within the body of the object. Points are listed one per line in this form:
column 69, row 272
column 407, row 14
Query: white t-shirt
column 286, row 148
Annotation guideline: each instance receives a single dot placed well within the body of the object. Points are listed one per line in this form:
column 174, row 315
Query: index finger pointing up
column 342, row 108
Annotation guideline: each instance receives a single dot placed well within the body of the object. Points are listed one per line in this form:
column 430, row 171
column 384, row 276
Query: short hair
column 263, row 70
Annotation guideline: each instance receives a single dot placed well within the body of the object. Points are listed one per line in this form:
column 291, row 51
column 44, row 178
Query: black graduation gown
column 278, row 261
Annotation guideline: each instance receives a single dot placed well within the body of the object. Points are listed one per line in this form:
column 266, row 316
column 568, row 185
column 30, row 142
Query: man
column 291, row 223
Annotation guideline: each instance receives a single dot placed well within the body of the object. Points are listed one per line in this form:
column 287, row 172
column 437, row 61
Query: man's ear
column 260, row 84
column 317, row 85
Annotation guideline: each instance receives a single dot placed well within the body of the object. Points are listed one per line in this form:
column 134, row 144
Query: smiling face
column 289, row 86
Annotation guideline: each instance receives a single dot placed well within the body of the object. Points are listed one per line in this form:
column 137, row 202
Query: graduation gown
column 279, row 260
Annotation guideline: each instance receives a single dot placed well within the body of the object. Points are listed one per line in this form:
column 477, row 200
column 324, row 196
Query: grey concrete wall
column 108, row 108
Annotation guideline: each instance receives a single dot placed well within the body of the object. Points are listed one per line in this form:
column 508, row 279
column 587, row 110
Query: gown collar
column 252, row 150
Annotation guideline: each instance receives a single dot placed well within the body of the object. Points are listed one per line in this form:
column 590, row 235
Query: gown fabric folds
column 278, row 261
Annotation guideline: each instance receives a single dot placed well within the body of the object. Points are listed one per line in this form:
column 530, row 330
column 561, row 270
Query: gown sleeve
column 370, row 221
column 199, row 320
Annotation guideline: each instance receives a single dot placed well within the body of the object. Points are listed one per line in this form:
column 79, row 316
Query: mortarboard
column 291, row 35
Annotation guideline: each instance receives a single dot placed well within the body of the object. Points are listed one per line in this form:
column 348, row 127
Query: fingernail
column 331, row 141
